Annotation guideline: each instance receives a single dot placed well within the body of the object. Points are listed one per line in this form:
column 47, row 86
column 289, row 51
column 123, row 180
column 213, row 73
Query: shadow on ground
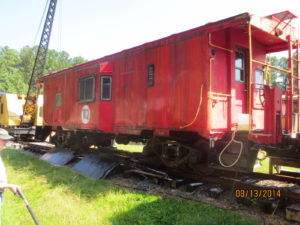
column 171, row 212
column 56, row 175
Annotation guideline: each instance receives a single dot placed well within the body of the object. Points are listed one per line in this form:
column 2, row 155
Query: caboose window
column 151, row 75
column 239, row 66
column 259, row 78
column 58, row 99
column 106, row 83
column 86, row 89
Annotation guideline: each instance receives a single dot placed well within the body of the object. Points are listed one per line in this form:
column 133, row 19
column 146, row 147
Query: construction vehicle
column 30, row 107
column 22, row 114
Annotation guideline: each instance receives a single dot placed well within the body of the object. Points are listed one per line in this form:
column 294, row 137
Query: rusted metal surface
column 59, row 157
column 95, row 166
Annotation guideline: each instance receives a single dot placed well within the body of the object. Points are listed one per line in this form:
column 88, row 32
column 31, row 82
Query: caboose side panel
column 159, row 84
column 67, row 106
column 220, row 75
column 189, row 83
column 123, row 92
column 156, row 76
column 53, row 95
column 69, row 100
column 85, row 113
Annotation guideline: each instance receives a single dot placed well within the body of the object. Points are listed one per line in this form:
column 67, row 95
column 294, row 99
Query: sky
column 95, row 28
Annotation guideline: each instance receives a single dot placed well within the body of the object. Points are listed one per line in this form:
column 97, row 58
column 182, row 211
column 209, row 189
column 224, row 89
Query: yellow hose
column 198, row 110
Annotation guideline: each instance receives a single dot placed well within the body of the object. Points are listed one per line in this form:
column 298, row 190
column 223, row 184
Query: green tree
column 275, row 77
column 27, row 57
column 78, row 60
column 9, row 70
column 16, row 66
column 9, row 59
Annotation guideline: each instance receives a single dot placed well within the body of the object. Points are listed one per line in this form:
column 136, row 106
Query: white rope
column 224, row 149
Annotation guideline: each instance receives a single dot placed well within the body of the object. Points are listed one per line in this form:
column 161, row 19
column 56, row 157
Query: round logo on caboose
column 85, row 114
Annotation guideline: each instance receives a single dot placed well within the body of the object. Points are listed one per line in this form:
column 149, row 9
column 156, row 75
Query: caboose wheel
column 169, row 152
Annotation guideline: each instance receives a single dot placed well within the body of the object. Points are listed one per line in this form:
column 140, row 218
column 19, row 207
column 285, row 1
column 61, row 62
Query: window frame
column 241, row 69
column 84, row 79
column 259, row 85
column 56, row 98
column 102, row 77
column 150, row 75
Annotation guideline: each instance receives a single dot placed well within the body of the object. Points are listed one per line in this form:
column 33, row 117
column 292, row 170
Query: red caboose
column 191, row 96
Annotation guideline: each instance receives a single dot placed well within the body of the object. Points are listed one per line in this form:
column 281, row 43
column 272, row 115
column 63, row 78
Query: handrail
column 220, row 94
column 269, row 65
column 250, row 78
column 217, row 46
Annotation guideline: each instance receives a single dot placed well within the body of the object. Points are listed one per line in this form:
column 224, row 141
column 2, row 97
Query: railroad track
column 267, row 189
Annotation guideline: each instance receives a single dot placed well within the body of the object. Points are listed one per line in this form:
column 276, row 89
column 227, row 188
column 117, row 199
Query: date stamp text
column 257, row 193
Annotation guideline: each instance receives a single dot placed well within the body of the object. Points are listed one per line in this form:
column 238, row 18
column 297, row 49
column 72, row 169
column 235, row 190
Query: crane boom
column 39, row 64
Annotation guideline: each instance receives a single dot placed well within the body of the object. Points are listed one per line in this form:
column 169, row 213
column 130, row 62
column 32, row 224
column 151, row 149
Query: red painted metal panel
column 220, row 85
column 91, row 108
column 53, row 115
column 105, row 107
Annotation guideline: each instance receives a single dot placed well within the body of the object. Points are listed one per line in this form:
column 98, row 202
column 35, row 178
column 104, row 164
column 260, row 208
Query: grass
column 131, row 147
column 60, row 196
column 264, row 168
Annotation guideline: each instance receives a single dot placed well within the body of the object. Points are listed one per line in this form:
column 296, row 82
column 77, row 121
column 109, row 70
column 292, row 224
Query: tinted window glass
column 86, row 89
column 106, row 83
column 58, row 99
column 259, row 78
column 150, row 75
column 239, row 66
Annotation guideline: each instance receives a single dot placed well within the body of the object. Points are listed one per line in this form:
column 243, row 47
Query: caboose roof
column 271, row 31
column 285, row 15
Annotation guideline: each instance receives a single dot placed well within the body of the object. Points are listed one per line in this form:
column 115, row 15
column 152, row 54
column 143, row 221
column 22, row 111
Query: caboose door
column 241, row 80
column 105, row 79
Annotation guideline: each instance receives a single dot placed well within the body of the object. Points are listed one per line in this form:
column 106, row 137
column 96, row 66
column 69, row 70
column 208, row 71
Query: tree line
column 16, row 66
